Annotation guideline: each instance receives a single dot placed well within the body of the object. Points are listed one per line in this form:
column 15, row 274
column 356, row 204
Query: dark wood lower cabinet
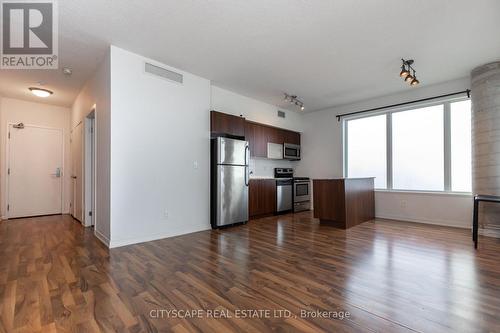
column 261, row 197
column 344, row 202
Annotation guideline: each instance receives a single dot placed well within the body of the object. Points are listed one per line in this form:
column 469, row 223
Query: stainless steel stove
column 301, row 194
column 300, row 199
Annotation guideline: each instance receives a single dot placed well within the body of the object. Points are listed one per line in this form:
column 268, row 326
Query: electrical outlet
column 165, row 214
column 195, row 165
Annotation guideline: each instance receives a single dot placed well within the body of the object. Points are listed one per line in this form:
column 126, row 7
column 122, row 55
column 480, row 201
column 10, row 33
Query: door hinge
column 8, row 171
column 8, row 207
column 90, row 213
column 9, row 135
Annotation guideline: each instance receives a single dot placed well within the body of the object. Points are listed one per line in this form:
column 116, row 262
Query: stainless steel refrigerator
column 229, row 181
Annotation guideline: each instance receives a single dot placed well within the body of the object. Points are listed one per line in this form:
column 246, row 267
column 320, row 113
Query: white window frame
column 389, row 112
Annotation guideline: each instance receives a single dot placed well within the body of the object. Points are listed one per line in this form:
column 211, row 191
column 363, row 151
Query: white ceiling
column 328, row 52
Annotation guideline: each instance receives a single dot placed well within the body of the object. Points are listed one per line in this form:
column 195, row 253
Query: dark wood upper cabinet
column 291, row 137
column 259, row 135
column 222, row 123
column 250, row 137
column 261, row 197
column 256, row 136
column 274, row 135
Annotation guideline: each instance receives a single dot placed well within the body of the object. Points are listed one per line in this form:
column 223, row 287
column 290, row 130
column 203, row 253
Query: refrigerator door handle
column 247, row 175
column 247, row 153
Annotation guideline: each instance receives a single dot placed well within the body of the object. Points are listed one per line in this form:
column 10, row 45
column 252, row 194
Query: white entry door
column 34, row 171
column 77, row 173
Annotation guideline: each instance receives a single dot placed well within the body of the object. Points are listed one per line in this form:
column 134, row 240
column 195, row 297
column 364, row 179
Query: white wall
column 159, row 152
column 448, row 209
column 97, row 92
column 323, row 158
column 16, row 111
column 229, row 102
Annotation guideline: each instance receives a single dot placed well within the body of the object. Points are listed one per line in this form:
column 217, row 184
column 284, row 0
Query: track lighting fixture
column 293, row 99
column 406, row 72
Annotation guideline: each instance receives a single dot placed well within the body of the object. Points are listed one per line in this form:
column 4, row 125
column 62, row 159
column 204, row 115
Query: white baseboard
column 445, row 223
column 489, row 232
column 149, row 238
column 102, row 238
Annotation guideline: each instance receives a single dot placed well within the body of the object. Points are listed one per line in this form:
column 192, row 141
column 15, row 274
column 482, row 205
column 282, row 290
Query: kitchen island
column 344, row 202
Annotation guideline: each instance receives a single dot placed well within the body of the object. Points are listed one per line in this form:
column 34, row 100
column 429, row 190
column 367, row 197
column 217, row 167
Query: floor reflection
column 422, row 275
column 390, row 276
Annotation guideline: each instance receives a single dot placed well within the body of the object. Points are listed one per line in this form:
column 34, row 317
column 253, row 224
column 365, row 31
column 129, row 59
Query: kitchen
column 252, row 170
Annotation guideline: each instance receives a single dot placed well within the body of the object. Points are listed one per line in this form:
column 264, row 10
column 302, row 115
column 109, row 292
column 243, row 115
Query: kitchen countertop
column 271, row 178
column 262, row 177
column 344, row 178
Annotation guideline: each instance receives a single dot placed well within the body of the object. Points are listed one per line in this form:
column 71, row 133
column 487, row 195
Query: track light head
column 404, row 72
column 409, row 78
column 414, row 82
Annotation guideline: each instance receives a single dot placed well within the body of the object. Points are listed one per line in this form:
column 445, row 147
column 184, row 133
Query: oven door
column 301, row 191
column 291, row 151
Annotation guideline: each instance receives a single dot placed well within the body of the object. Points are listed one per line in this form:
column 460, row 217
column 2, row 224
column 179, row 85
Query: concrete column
column 486, row 141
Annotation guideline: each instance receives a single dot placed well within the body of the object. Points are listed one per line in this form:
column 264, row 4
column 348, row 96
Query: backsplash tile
column 261, row 167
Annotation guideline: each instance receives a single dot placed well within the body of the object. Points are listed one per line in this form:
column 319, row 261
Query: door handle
column 74, row 177
column 247, row 176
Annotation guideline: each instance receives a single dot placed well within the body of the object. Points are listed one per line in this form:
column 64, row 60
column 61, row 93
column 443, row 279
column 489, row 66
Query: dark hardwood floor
column 390, row 276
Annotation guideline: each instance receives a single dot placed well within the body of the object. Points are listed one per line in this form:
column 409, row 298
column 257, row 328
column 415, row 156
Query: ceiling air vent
column 164, row 73
column 281, row 114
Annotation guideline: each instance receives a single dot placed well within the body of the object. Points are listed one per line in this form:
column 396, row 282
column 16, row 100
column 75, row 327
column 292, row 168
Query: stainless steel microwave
column 291, row 151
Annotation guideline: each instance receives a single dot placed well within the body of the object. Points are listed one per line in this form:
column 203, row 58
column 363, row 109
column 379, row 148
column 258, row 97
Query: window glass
column 302, row 189
column 460, row 116
column 366, row 151
column 418, row 149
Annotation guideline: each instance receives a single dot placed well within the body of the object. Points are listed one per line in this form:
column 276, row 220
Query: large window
column 420, row 149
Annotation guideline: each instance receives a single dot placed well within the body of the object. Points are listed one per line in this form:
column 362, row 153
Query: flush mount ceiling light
column 293, row 99
column 406, row 72
column 39, row 92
